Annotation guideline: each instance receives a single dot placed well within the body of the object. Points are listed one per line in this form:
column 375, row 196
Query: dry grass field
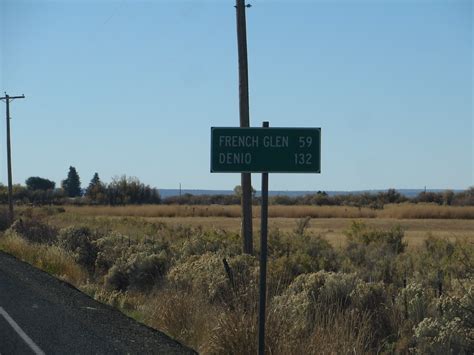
column 330, row 222
column 409, row 211
column 333, row 229
column 362, row 290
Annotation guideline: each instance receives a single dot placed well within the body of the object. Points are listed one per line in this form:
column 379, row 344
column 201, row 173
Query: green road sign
column 273, row 150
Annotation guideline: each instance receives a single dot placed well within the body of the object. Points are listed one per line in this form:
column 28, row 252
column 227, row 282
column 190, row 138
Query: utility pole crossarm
column 7, row 97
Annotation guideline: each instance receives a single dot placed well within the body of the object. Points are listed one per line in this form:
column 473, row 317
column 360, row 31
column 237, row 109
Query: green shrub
column 323, row 255
column 80, row 241
column 205, row 275
column 374, row 300
column 117, row 278
column 181, row 315
column 4, row 219
column 293, row 255
column 413, row 301
column 283, row 270
column 300, row 306
column 41, row 212
column 146, row 271
column 141, row 272
column 360, row 233
column 373, row 254
column 451, row 330
column 34, row 231
column 215, row 241
column 302, row 225
column 440, row 261
column 309, row 293
column 114, row 246
column 110, row 248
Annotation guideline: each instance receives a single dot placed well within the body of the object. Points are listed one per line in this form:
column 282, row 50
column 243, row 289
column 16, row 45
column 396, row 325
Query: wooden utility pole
column 7, row 99
column 246, row 182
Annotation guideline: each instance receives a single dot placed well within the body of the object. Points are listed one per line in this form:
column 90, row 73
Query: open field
column 400, row 211
column 358, row 289
column 283, row 218
column 333, row 229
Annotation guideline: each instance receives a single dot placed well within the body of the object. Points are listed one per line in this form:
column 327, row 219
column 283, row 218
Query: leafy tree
column 448, row 197
column 72, row 185
column 391, row 196
column 238, row 191
column 429, row 197
column 96, row 190
column 95, row 180
column 464, row 198
column 37, row 183
column 129, row 190
column 321, row 198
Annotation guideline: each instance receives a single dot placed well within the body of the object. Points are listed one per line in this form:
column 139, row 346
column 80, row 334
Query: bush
column 33, row 230
column 146, row 271
column 413, row 301
column 202, row 242
column 374, row 300
column 141, row 272
column 360, row 233
column 115, row 246
column 451, row 331
column 49, row 258
column 40, row 213
column 117, row 278
column 299, row 303
column 293, row 255
column 206, row 276
column 80, row 241
column 301, row 225
column 129, row 190
column 439, row 261
column 4, row 219
column 373, row 253
column 184, row 316
column 464, row 198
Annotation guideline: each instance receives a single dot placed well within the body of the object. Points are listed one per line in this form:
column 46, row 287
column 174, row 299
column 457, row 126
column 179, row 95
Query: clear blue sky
column 133, row 87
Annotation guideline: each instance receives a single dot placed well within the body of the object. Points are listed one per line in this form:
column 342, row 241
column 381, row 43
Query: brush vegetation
column 372, row 295
column 396, row 211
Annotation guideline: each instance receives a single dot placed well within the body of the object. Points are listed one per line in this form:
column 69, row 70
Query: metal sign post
column 265, row 150
column 263, row 262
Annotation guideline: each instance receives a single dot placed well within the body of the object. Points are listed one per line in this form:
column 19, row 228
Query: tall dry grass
column 182, row 315
column 319, row 212
column 397, row 211
column 51, row 259
column 426, row 211
column 335, row 331
column 157, row 211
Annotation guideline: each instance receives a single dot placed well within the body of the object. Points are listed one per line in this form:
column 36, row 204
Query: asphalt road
column 42, row 315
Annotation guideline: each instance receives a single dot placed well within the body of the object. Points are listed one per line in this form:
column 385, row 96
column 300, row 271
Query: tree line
column 120, row 191
column 321, row 198
column 129, row 190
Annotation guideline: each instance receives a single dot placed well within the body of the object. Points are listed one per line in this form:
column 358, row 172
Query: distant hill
column 175, row 192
